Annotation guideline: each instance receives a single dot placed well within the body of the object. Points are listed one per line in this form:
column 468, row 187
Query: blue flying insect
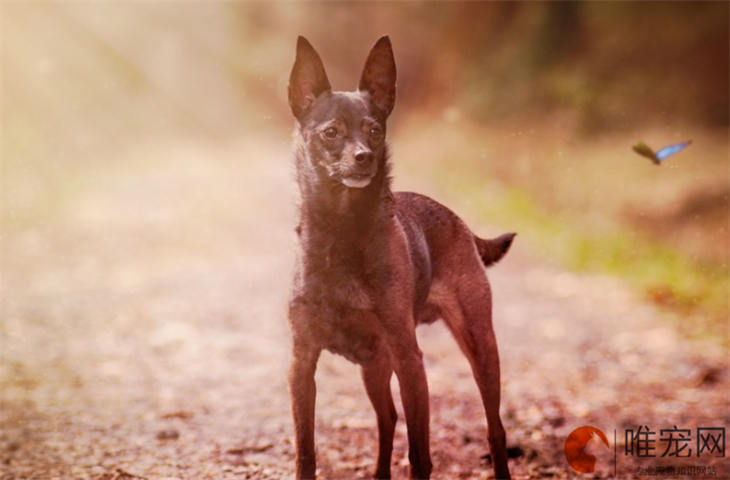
column 644, row 150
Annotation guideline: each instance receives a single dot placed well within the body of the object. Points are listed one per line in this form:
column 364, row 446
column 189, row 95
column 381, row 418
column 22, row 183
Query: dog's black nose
column 364, row 157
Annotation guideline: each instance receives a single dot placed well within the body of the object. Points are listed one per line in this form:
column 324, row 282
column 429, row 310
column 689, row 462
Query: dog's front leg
column 303, row 392
column 376, row 376
column 408, row 365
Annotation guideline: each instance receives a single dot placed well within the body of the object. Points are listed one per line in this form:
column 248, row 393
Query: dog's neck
column 332, row 213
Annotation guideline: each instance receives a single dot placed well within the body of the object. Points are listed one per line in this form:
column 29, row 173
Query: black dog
column 373, row 264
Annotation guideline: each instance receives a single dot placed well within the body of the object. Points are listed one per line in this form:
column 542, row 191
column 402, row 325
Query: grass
column 575, row 209
column 664, row 275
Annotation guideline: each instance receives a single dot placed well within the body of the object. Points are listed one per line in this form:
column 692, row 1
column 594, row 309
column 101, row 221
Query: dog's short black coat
column 372, row 264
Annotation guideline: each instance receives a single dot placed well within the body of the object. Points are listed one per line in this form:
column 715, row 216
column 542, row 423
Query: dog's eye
column 330, row 133
column 376, row 131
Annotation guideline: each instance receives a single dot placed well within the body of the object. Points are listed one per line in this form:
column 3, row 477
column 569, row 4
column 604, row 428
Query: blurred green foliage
column 594, row 206
column 666, row 276
column 615, row 65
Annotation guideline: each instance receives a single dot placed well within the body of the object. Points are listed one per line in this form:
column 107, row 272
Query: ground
column 143, row 335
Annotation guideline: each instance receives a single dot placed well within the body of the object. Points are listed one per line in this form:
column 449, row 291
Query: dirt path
column 143, row 335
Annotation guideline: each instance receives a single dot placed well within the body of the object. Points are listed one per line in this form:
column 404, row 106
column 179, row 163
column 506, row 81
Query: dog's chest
column 352, row 333
column 341, row 307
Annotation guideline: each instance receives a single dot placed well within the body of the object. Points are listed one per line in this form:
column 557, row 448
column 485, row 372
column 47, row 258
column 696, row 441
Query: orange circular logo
column 575, row 448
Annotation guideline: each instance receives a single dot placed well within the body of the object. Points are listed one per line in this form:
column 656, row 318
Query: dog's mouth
column 357, row 180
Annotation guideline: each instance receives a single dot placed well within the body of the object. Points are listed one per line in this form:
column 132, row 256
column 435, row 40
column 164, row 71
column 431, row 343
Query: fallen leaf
column 181, row 414
column 168, row 434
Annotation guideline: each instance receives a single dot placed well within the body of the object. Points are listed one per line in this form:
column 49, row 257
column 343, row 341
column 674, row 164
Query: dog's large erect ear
column 378, row 76
column 308, row 79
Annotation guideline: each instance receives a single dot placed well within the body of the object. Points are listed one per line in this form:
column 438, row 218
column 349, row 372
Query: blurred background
column 539, row 103
column 146, row 163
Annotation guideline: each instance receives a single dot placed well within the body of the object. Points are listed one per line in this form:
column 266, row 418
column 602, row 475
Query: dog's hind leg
column 376, row 376
column 467, row 311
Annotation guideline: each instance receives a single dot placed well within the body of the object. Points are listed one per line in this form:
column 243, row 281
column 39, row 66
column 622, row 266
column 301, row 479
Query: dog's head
column 343, row 133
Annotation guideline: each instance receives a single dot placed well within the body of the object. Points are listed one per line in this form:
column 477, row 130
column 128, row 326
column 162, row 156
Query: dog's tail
column 491, row 250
